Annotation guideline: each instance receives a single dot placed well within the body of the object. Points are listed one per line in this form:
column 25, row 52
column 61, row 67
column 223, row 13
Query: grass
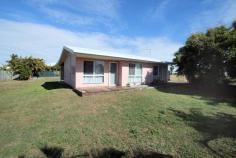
column 233, row 81
column 45, row 118
column 178, row 78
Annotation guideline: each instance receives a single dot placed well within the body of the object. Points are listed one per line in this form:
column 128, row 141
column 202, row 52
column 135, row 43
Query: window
column 156, row 71
column 88, row 67
column 131, row 69
column 135, row 73
column 99, row 67
column 93, row 72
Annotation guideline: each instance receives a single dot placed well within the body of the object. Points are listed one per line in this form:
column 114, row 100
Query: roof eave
column 65, row 51
column 102, row 57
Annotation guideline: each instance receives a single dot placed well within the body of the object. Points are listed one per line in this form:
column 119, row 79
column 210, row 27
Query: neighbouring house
column 82, row 67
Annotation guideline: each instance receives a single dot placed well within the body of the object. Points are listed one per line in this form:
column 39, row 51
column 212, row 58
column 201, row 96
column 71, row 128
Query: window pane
column 113, row 68
column 135, row 79
column 131, row 79
column 135, row 73
column 98, row 79
column 99, row 67
column 138, row 79
column 138, row 69
column 155, row 70
column 93, row 79
column 88, row 67
column 93, row 72
column 131, row 69
column 88, row 79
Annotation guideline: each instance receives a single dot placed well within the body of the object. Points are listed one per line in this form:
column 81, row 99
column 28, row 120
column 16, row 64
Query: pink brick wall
column 80, row 72
column 69, row 70
column 123, row 72
column 147, row 73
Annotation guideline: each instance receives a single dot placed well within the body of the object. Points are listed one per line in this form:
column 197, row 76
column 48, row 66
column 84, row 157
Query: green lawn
column 40, row 118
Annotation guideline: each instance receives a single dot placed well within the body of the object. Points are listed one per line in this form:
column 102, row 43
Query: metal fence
column 49, row 73
column 8, row 75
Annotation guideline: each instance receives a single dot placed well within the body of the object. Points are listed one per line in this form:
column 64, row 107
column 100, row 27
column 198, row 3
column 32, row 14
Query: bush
column 26, row 66
column 25, row 72
column 157, row 82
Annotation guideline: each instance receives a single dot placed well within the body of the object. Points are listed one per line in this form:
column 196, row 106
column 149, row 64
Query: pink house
column 82, row 67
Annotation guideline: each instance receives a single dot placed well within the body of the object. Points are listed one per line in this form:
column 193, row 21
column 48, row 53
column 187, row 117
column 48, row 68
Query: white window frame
column 94, row 75
column 117, row 73
column 136, row 76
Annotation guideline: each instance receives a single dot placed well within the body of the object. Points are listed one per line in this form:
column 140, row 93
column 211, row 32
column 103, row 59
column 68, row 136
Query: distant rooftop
column 100, row 54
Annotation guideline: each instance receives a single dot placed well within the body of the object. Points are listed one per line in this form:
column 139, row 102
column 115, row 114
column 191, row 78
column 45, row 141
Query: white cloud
column 106, row 8
column 82, row 12
column 159, row 11
column 67, row 17
column 46, row 42
column 219, row 13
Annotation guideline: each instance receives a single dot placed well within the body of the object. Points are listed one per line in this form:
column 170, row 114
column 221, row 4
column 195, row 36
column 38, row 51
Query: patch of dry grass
column 178, row 78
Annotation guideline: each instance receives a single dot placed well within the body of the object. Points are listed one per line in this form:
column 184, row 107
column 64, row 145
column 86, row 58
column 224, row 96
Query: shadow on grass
column 52, row 152
column 57, row 152
column 215, row 95
column 55, row 85
column 214, row 127
column 58, row 85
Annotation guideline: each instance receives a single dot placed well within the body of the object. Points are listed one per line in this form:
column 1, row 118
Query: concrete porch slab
column 85, row 91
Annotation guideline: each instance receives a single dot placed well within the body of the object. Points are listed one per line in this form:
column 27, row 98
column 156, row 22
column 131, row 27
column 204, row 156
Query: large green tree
column 208, row 57
column 26, row 66
column 35, row 64
column 14, row 62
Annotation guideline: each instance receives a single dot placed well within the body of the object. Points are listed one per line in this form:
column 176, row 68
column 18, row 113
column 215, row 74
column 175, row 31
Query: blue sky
column 154, row 28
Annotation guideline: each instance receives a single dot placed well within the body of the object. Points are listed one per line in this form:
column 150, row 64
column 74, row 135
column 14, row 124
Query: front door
column 113, row 74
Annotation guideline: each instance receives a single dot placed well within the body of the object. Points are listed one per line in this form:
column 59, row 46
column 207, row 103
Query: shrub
column 25, row 72
column 157, row 82
column 26, row 66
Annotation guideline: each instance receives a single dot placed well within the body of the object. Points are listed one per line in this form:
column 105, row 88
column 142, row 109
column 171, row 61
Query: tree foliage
column 52, row 68
column 25, row 72
column 208, row 57
column 26, row 67
column 4, row 67
column 35, row 64
column 14, row 62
